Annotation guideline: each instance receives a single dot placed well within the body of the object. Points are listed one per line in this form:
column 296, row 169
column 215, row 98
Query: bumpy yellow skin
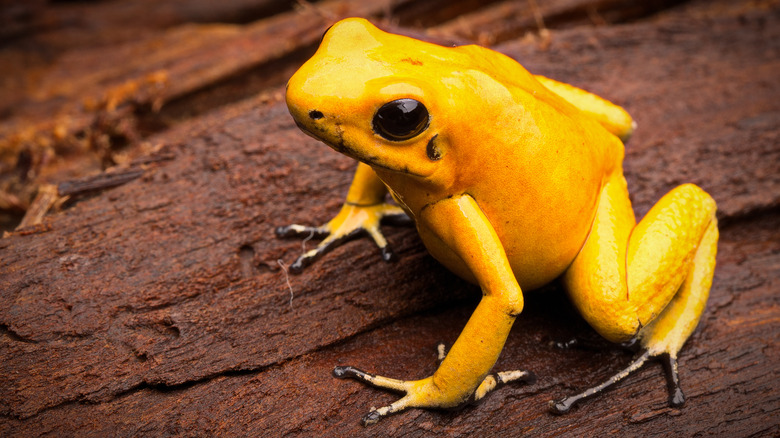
column 527, row 186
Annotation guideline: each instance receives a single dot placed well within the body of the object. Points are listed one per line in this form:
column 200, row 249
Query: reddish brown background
column 149, row 300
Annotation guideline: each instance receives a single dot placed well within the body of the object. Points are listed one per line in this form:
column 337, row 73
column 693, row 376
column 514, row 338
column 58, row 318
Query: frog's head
column 355, row 96
column 393, row 102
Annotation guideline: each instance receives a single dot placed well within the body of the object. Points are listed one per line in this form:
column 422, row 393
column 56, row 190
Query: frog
column 513, row 181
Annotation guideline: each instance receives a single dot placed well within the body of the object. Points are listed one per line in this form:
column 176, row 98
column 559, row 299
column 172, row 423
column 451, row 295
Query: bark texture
column 152, row 301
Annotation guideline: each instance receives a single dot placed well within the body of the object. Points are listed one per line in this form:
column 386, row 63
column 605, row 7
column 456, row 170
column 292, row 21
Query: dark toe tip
column 565, row 345
column 677, row 399
column 559, row 407
column 388, row 255
column 341, row 372
column 371, row 418
column 297, row 266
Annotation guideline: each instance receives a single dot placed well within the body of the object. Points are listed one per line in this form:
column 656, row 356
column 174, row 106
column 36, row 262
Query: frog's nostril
column 314, row 114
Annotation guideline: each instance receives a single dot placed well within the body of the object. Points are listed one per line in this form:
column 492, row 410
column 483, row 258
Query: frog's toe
column 348, row 372
column 312, row 255
column 495, row 381
column 388, row 255
column 376, row 235
column 676, row 396
column 330, row 242
column 376, row 414
column 565, row 404
column 303, row 261
column 308, row 258
column 296, row 230
column 441, row 352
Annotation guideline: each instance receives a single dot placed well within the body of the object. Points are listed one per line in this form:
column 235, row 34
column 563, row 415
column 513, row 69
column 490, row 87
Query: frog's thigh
column 626, row 275
column 667, row 332
column 612, row 117
column 596, row 280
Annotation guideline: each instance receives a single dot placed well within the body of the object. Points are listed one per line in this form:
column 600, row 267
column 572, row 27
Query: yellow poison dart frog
column 512, row 180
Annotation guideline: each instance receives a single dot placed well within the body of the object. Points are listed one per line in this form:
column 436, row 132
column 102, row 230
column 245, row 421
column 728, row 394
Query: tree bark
column 162, row 306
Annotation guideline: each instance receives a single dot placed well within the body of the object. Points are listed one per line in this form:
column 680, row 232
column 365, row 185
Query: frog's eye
column 401, row 119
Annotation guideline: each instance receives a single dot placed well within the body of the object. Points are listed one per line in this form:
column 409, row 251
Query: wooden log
column 97, row 99
column 159, row 307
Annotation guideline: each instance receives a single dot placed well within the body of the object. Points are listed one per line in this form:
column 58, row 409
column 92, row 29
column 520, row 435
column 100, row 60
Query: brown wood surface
column 158, row 307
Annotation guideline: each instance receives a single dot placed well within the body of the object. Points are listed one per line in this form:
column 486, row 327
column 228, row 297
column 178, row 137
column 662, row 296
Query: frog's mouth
column 335, row 140
column 372, row 160
column 337, row 143
column 306, row 130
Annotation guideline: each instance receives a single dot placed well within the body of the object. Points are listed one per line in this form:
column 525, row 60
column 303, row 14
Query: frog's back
column 535, row 165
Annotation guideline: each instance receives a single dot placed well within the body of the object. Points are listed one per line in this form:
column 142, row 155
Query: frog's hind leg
column 662, row 339
column 612, row 117
column 659, row 292
column 664, row 336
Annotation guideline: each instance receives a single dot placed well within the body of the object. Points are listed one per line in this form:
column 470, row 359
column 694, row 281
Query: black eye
column 401, row 119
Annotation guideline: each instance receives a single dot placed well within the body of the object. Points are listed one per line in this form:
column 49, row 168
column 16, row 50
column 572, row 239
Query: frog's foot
column 676, row 396
column 424, row 393
column 352, row 221
column 660, row 340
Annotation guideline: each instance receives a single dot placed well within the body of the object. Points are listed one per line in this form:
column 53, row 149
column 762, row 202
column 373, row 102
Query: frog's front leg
column 648, row 280
column 362, row 212
column 463, row 374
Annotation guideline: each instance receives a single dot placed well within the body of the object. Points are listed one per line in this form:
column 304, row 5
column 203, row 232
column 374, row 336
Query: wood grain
column 158, row 307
